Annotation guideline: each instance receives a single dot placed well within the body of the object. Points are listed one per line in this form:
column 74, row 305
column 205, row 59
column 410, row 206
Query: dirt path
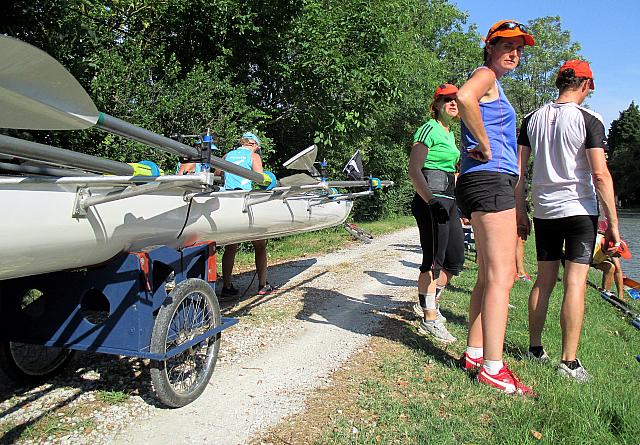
column 324, row 311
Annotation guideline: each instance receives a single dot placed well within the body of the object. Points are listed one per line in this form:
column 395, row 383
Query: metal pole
column 356, row 183
column 130, row 131
column 41, row 170
column 59, row 156
column 128, row 193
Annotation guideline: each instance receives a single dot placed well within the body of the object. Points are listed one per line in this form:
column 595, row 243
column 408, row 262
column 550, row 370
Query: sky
column 608, row 32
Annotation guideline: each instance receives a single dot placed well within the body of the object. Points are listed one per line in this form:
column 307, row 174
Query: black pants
column 442, row 244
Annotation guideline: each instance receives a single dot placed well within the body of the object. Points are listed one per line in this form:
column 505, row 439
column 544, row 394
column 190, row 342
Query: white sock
column 430, row 301
column 492, row 367
column 474, row 353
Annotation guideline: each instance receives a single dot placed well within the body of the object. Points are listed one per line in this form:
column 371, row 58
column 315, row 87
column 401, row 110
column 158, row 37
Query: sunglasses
column 508, row 25
column 447, row 99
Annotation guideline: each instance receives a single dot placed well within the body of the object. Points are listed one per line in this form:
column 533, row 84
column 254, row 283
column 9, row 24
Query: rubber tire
column 165, row 392
column 19, row 372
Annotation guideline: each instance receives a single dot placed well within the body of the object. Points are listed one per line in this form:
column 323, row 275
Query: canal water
column 629, row 224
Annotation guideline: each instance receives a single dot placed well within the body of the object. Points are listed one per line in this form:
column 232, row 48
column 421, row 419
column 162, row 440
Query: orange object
column 633, row 284
column 446, row 89
column 623, row 248
column 580, row 68
column 509, row 28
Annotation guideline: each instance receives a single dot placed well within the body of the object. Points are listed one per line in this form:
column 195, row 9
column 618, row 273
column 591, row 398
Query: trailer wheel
column 27, row 364
column 193, row 310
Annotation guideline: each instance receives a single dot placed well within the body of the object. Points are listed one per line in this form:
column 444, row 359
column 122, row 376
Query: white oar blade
column 298, row 180
column 38, row 93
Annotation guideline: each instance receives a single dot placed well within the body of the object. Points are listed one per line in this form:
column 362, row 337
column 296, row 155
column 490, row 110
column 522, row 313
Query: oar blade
column 38, row 93
column 297, row 180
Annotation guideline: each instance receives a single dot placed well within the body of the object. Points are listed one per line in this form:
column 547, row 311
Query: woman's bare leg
column 497, row 232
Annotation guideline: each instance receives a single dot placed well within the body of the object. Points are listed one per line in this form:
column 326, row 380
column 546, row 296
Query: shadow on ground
column 92, row 372
column 375, row 314
column 86, row 372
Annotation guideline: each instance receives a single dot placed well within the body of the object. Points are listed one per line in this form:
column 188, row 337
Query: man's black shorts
column 485, row 192
column 577, row 234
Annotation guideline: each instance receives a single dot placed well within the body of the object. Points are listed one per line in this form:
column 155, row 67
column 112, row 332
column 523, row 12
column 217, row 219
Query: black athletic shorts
column 485, row 192
column 577, row 234
column 442, row 244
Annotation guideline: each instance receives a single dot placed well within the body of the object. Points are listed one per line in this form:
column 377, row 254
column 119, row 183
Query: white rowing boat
column 46, row 228
column 57, row 221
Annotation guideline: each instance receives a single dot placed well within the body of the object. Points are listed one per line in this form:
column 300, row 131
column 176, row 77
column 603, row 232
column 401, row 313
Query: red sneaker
column 505, row 381
column 470, row 364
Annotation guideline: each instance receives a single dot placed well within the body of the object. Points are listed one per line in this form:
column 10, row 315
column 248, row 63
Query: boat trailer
column 157, row 304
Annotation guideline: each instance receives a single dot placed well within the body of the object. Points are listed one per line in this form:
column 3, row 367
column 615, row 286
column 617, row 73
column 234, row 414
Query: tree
column 532, row 84
column 161, row 64
column 345, row 74
column 360, row 75
column 624, row 154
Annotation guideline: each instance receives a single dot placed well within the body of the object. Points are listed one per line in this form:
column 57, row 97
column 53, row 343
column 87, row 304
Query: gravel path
column 348, row 292
column 285, row 346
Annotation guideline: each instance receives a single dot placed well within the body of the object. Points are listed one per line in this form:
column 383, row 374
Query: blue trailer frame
column 110, row 308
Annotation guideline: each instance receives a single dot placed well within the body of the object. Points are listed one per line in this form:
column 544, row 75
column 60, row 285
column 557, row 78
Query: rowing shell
column 43, row 231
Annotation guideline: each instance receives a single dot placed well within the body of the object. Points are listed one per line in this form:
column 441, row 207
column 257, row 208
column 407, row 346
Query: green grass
column 317, row 243
column 112, row 397
column 417, row 396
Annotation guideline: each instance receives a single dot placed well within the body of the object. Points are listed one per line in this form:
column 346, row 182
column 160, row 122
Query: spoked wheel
column 193, row 310
column 358, row 233
column 27, row 364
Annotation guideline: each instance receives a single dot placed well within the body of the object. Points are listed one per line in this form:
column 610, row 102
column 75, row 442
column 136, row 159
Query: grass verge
column 317, row 243
column 403, row 389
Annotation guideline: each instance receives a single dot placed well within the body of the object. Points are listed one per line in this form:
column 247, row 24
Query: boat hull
column 40, row 235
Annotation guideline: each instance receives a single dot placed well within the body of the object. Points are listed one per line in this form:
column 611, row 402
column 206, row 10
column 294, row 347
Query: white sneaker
column 420, row 313
column 437, row 330
column 579, row 374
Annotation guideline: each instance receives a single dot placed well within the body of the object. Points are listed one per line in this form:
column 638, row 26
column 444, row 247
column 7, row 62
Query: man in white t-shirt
column 570, row 176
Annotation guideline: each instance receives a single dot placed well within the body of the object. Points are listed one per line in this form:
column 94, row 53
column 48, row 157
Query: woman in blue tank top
column 485, row 193
column 246, row 156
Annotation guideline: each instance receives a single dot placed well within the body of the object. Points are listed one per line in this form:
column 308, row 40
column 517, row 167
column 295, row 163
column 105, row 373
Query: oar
column 622, row 306
column 59, row 156
column 38, row 93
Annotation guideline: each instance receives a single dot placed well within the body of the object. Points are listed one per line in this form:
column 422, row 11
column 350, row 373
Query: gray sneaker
column 579, row 374
column 544, row 358
column 420, row 313
column 437, row 330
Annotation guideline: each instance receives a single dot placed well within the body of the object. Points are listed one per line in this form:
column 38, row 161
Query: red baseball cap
column 580, row 68
column 509, row 28
column 446, row 89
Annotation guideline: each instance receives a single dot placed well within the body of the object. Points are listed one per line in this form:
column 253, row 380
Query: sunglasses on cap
column 508, row 25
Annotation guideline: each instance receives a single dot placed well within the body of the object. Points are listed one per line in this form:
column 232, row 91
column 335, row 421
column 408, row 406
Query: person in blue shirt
column 485, row 194
column 247, row 156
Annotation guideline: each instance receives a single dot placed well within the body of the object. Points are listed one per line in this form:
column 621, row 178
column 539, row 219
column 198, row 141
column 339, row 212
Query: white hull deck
column 40, row 233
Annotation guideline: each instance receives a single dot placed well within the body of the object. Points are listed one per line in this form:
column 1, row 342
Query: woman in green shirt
column 432, row 167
